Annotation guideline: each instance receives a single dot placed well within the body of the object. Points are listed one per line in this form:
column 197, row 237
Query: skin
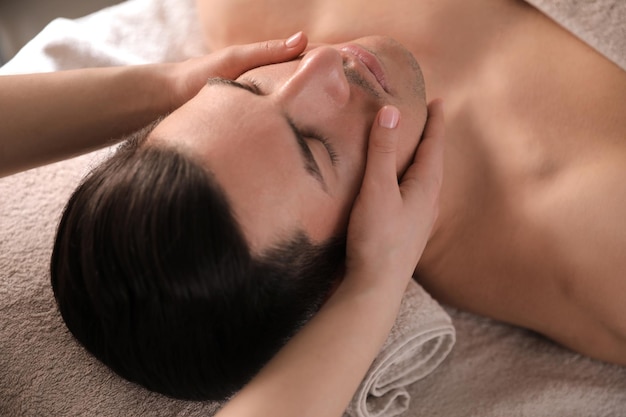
column 531, row 228
column 241, row 137
column 104, row 103
column 373, row 128
column 535, row 141
column 317, row 370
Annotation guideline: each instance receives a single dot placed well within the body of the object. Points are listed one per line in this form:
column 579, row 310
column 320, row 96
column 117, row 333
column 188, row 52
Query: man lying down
column 186, row 260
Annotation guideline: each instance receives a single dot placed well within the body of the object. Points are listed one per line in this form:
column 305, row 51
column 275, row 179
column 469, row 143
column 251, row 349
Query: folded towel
column 420, row 340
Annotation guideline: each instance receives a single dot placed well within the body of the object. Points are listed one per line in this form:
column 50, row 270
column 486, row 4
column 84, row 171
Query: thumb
column 380, row 168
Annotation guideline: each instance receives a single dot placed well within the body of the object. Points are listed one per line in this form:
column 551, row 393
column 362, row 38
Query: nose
column 319, row 80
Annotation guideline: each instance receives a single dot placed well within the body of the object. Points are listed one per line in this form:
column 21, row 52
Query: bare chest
column 533, row 197
column 227, row 22
column 535, row 159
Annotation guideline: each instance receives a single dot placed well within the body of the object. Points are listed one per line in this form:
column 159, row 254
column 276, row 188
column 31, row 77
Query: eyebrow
column 307, row 156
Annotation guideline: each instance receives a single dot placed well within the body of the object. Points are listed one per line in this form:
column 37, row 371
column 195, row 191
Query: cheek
column 325, row 218
column 353, row 159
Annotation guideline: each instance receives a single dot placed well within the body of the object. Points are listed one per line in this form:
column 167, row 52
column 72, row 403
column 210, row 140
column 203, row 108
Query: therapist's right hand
column 188, row 77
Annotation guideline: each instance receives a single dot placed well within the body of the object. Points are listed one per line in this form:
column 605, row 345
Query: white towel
column 132, row 32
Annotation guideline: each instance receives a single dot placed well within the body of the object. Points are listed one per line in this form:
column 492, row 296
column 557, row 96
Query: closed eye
column 309, row 133
column 254, row 87
column 311, row 166
column 232, row 83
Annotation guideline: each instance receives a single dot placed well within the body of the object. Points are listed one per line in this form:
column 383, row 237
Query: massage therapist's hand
column 188, row 77
column 99, row 104
column 392, row 220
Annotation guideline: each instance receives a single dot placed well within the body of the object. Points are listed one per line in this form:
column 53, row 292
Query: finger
column 380, row 168
column 425, row 174
column 237, row 59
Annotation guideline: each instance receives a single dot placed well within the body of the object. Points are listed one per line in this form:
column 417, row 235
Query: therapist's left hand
column 392, row 220
column 188, row 77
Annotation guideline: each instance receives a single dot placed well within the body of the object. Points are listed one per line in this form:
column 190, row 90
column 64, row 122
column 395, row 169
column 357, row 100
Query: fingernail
column 389, row 117
column 294, row 40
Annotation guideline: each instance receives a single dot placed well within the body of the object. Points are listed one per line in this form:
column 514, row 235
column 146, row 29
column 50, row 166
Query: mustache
column 355, row 78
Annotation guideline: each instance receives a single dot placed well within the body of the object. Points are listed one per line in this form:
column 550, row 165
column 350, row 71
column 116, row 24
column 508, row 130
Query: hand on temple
column 104, row 103
column 190, row 76
column 392, row 219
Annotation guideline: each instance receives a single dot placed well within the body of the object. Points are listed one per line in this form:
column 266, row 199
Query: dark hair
column 153, row 275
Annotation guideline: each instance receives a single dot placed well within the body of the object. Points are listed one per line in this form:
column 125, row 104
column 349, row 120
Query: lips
column 370, row 61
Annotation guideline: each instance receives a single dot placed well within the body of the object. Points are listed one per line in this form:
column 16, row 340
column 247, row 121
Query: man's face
column 288, row 142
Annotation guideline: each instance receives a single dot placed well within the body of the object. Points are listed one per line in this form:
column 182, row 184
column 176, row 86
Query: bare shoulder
column 548, row 252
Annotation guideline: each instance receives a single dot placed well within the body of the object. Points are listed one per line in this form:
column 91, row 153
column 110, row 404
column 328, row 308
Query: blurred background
column 21, row 20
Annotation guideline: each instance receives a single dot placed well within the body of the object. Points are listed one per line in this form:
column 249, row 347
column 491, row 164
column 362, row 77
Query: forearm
column 48, row 117
column 318, row 371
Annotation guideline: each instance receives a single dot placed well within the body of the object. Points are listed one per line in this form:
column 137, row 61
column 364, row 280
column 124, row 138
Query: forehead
column 247, row 145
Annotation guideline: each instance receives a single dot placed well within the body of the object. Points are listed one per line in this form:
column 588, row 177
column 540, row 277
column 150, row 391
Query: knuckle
column 227, row 52
column 384, row 146
column 384, row 149
column 267, row 47
column 229, row 55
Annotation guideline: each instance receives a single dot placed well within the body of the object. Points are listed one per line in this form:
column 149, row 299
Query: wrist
column 153, row 89
column 379, row 284
column 161, row 87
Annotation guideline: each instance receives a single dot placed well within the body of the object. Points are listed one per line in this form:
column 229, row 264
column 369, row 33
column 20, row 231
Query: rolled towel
column 419, row 341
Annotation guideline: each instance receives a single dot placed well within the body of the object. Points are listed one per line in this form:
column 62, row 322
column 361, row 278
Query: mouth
column 370, row 61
